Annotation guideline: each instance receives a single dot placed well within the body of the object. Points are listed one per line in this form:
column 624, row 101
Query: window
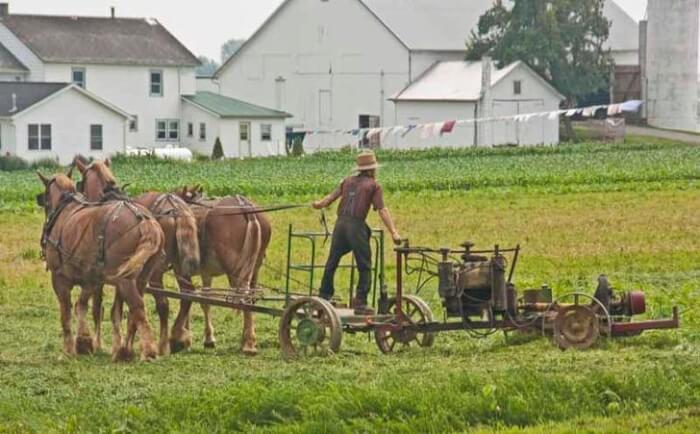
column 96, row 137
column 202, row 131
column 156, row 83
column 78, row 76
column 244, row 132
column 265, row 132
column 190, row 129
column 39, row 137
column 517, row 87
column 167, row 129
column 134, row 124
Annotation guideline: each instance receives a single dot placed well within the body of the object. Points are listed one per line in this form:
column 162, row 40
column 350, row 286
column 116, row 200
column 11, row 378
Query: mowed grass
column 641, row 234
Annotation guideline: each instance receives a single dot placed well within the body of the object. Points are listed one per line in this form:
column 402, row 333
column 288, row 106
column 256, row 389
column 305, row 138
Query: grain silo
column 672, row 64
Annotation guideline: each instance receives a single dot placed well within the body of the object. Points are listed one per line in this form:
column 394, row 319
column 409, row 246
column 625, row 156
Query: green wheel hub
column 308, row 332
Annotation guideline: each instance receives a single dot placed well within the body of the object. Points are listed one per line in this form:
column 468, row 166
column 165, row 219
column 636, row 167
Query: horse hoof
column 163, row 349
column 250, row 351
column 123, row 354
column 210, row 345
column 177, row 346
column 148, row 355
column 84, row 345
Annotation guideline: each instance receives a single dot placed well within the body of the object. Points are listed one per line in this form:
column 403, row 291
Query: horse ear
column 44, row 179
column 108, row 163
column 80, row 165
column 69, row 174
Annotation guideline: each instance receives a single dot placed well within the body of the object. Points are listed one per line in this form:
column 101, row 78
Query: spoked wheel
column 580, row 324
column 309, row 326
column 416, row 312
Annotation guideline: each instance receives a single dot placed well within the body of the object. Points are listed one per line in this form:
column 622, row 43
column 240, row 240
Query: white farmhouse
column 460, row 90
column 334, row 64
column 245, row 130
column 133, row 63
column 48, row 120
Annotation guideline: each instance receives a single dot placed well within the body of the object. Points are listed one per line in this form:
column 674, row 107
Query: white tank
column 672, row 64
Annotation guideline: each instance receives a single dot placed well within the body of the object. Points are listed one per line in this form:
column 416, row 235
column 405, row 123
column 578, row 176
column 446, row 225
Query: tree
column 218, row 151
column 207, row 68
column 562, row 40
column 230, row 47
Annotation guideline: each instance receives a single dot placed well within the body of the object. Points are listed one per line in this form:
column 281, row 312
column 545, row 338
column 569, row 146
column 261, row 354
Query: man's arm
column 328, row 200
column 385, row 215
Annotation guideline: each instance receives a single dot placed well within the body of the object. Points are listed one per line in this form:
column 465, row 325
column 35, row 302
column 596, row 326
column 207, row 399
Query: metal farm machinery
column 475, row 287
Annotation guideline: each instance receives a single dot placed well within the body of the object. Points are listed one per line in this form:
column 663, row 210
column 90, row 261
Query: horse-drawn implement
column 477, row 294
column 229, row 237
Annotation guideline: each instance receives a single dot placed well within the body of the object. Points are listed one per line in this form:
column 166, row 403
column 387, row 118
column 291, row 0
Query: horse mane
column 103, row 171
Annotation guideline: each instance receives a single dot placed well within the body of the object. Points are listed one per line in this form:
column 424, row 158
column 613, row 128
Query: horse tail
column 187, row 243
column 251, row 249
column 150, row 243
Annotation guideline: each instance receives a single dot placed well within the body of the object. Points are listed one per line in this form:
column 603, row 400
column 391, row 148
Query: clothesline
column 432, row 129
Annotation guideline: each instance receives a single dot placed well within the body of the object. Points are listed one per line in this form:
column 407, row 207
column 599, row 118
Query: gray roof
column 446, row 24
column 99, row 40
column 226, row 107
column 28, row 94
column 8, row 61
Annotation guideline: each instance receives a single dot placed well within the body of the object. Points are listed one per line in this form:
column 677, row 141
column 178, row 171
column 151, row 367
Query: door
column 244, row 148
column 325, row 114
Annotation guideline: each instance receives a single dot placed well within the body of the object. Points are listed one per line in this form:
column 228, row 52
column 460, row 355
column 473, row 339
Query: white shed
column 245, row 130
column 455, row 90
column 57, row 121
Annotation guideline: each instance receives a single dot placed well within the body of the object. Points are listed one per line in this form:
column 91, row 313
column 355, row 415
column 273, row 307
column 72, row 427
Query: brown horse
column 233, row 244
column 181, row 241
column 89, row 245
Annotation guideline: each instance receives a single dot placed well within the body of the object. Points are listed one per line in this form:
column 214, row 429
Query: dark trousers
column 349, row 235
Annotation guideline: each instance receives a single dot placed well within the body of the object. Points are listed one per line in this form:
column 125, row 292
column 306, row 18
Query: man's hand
column 317, row 204
column 397, row 238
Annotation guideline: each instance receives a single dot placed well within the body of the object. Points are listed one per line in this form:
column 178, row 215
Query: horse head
column 97, row 179
column 191, row 194
column 55, row 190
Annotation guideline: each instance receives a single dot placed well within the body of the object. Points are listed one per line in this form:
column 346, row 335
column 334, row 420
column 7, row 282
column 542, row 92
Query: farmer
column 351, row 234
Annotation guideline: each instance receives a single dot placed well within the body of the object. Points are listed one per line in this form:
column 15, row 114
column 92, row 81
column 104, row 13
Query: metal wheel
column 579, row 324
column 416, row 312
column 310, row 326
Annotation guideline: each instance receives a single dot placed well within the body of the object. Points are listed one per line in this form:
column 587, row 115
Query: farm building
column 468, row 90
column 145, row 73
column 339, row 69
column 245, row 130
column 49, row 120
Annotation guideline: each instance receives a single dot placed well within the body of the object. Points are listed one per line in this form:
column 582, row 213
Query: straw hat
column 366, row 161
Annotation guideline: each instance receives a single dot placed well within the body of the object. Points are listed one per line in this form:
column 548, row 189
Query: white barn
column 459, row 90
column 49, row 120
column 335, row 64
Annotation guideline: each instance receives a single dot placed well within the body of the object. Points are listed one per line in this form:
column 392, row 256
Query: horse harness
column 110, row 216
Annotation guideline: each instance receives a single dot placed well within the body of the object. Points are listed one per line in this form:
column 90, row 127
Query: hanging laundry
column 447, row 127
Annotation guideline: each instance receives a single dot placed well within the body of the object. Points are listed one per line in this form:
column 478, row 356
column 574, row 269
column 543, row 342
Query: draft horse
column 179, row 228
column 90, row 244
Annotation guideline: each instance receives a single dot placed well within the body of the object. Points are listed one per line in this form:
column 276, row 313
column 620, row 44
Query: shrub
column 12, row 162
column 218, row 152
column 45, row 163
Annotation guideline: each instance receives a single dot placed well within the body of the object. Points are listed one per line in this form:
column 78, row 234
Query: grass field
column 630, row 211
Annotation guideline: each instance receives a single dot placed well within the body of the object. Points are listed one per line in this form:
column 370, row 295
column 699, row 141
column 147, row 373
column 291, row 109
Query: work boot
column 361, row 308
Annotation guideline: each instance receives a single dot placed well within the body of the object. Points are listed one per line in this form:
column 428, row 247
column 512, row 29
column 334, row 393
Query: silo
column 672, row 64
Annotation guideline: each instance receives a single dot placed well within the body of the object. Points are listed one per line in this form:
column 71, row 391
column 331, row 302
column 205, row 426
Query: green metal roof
column 226, row 107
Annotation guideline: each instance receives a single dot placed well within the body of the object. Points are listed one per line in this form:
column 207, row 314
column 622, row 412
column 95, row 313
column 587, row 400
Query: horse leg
column 119, row 351
column 163, row 308
column 97, row 314
column 62, row 288
column 209, row 339
column 84, row 342
column 138, row 321
column 180, row 335
column 248, row 339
